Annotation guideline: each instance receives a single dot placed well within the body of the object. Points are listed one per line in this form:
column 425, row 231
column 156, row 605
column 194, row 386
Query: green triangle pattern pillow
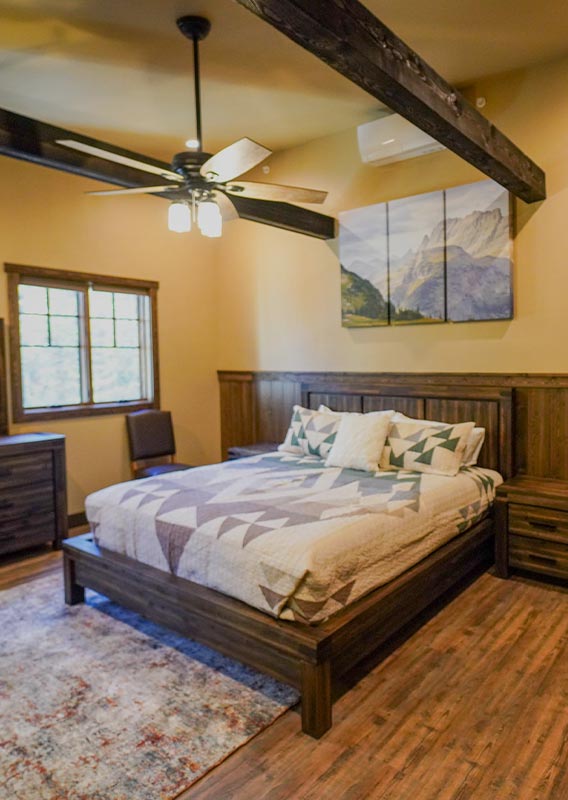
column 311, row 433
column 422, row 447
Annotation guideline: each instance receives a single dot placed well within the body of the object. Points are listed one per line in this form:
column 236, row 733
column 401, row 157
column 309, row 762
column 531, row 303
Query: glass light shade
column 209, row 219
column 179, row 217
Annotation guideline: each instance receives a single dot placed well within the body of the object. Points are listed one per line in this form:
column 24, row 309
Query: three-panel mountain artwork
column 444, row 256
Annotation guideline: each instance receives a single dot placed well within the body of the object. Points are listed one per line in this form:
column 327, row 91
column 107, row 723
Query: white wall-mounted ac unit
column 392, row 138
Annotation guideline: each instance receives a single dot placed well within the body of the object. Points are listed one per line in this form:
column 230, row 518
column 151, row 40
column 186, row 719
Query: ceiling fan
column 202, row 185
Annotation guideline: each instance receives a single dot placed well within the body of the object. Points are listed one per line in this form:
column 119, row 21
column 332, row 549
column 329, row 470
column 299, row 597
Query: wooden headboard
column 489, row 408
column 256, row 406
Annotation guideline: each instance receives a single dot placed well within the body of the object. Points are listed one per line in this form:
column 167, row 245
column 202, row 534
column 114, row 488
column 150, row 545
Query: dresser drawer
column 25, row 470
column 539, row 555
column 25, row 501
column 18, row 533
column 541, row 523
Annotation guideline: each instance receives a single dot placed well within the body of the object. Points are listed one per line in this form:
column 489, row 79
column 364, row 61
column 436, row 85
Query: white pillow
column 473, row 445
column 359, row 441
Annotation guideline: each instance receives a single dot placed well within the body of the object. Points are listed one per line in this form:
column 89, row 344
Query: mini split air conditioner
column 392, row 138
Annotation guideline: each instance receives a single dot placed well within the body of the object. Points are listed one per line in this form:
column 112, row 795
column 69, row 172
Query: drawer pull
column 547, row 526
column 542, row 559
column 5, row 504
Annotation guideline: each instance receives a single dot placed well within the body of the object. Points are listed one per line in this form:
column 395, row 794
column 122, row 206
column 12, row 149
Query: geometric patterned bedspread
column 286, row 534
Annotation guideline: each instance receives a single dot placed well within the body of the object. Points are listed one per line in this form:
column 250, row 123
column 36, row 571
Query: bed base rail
column 310, row 658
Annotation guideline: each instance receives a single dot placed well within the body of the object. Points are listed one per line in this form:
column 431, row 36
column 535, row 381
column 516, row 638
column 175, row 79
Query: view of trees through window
column 83, row 345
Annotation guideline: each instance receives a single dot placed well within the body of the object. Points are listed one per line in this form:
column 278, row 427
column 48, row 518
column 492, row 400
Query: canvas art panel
column 441, row 256
column 416, row 258
column 363, row 255
column 478, row 252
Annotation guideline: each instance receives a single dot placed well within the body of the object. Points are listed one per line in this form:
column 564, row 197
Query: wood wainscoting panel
column 237, row 410
column 274, row 400
column 543, row 432
column 484, row 414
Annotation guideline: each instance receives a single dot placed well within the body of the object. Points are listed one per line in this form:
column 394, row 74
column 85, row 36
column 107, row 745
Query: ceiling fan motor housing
column 188, row 163
column 194, row 27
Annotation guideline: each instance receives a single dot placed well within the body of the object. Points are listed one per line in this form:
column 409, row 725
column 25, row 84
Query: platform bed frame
column 309, row 658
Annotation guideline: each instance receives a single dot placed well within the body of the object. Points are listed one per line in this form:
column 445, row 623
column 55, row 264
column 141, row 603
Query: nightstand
column 245, row 450
column 531, row 516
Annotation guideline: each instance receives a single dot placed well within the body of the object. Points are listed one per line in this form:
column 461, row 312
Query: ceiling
column 119, row 70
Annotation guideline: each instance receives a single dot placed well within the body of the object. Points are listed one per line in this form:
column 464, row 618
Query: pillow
column 359, row 441
column 473, row 445
column 424, row 447
column 311, row 433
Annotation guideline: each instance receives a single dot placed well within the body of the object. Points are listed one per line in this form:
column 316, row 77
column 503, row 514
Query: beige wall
column 46, row 220
column 280, row 293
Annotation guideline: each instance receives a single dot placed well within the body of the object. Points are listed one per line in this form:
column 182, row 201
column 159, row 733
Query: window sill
column 68, row 412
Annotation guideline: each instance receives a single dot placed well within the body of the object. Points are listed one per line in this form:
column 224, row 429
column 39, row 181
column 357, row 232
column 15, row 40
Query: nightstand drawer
column 25, row 470
column 541, row 523
column 539, row 555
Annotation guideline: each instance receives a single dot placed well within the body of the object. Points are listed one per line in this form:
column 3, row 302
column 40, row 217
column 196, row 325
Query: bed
column 289, row 630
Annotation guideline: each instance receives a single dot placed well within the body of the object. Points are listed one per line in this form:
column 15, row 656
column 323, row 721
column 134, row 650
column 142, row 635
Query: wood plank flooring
column 474, row 705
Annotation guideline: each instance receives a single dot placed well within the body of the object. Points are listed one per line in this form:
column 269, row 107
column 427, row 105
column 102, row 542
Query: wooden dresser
column 33, row 496
column 532, row 527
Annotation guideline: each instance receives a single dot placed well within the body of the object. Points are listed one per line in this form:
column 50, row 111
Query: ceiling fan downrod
column 196, row 29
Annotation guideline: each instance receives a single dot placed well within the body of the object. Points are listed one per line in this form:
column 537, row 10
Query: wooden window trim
column 18, row 273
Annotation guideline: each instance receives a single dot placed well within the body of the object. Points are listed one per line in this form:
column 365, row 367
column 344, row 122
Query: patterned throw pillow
column 473, row 445
column 311, row 433
column 426, row 448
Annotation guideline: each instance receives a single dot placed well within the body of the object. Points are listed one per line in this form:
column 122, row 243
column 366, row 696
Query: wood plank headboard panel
column 487, row 407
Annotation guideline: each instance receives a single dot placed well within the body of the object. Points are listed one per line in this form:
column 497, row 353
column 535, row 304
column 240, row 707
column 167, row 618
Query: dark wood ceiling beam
column 349, row 38
column 29, row 139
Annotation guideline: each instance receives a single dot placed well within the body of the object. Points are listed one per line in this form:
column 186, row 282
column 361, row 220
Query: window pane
column 64, row 331
column 33, row 330
column 102, row 333
column 127, row 333
column 63, row 302
column 32, row 299
column 100, row 304
column 50, row 377
column 125, row 306
column 116, row 375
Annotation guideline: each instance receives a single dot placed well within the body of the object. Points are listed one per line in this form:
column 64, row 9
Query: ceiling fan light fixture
column 209, row 219
column 179, row 217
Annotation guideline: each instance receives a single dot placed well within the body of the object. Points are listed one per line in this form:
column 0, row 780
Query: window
column 81, row 344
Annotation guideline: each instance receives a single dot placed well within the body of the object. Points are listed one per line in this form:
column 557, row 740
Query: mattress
column 286, row 534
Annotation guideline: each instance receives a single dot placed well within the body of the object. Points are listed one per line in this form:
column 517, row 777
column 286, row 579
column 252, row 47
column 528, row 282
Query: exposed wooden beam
column 349, row 38
column 31, row 140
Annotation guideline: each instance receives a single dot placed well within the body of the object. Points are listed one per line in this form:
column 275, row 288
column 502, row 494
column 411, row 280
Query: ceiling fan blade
column 138, row 190
column 286, row 216
column 226, row 206
column 234, row 160
column 275, row 191
column 118, row 159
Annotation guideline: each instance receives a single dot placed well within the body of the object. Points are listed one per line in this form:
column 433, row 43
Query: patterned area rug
column 99, row 704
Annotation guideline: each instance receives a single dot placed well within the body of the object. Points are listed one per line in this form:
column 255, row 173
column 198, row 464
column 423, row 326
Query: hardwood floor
column 474, row 705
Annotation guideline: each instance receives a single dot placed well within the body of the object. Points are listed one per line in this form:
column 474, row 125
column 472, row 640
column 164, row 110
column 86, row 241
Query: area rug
column 98, row 704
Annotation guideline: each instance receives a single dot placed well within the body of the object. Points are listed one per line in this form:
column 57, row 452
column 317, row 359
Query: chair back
column 150, row 434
